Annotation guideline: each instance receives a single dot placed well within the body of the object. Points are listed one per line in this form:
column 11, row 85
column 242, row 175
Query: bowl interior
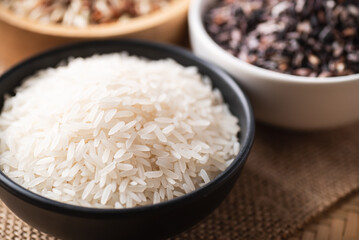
column 177, row 7
column 232, row 94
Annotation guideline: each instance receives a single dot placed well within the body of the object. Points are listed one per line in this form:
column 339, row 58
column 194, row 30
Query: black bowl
column 149, row 222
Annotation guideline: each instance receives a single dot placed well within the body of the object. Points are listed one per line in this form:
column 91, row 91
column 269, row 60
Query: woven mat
column 289, row 178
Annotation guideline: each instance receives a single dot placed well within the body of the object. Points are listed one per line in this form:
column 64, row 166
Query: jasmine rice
column 116, row 131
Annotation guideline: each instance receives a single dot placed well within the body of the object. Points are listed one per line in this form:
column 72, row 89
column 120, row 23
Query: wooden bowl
column 21, row 37
column 162, row 25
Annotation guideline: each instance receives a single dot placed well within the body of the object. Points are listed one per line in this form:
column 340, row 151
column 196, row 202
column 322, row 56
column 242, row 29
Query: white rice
column 116, row 131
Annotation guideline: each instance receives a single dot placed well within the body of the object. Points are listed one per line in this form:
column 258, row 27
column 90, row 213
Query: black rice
column 318, row 38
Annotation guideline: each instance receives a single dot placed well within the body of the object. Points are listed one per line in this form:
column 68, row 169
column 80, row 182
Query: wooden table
column 341, row 222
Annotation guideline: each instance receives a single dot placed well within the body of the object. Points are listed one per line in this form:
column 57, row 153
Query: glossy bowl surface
column 148, row 222
column 281, row 99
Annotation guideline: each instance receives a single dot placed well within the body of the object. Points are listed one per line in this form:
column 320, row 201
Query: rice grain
column 112, row 136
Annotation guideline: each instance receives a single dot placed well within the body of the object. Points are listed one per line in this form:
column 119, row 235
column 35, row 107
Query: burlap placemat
column 289, row 178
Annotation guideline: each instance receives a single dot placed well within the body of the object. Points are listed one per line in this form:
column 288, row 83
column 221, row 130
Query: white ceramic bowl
column 281, row 99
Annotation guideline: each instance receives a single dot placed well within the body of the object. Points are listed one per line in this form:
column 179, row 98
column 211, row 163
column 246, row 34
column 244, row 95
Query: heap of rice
column 116, row 131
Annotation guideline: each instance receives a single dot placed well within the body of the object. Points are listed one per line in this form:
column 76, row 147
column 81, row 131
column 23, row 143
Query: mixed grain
column 82, row 13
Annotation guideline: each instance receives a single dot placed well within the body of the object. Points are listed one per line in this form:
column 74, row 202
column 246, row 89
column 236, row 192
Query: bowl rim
column 195, row 20
column 104, row 30
column 75, row 210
